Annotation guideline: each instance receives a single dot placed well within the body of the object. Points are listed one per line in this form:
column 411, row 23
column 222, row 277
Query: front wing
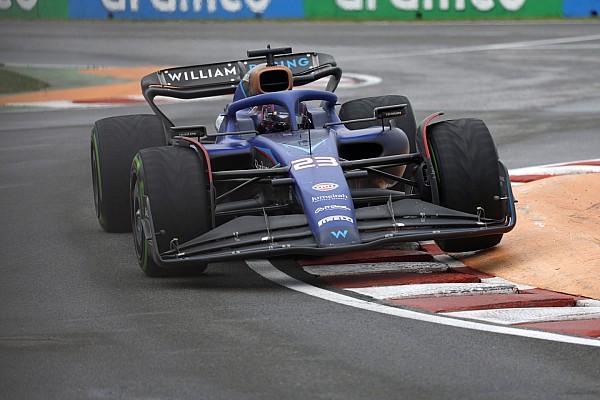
column 406, row 220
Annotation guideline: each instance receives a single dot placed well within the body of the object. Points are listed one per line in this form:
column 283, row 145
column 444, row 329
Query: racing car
column 288, row 171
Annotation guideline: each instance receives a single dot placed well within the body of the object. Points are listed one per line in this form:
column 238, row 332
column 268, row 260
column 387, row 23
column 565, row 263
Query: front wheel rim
column 95, row 183
column 136, row 219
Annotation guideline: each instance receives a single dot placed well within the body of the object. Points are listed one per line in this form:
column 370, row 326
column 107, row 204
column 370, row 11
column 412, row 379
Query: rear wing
column 217, row 79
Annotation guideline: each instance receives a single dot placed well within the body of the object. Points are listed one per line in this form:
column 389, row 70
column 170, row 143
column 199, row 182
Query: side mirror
column 393, row 111
column 197, row 131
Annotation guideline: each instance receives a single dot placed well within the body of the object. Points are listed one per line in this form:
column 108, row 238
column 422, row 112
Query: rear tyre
column 114, row 143
column 363, row 108
column 466, row 164
column 175, row 180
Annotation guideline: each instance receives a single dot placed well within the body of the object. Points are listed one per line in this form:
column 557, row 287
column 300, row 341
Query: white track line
column 268, row 271
column 369, row 268
column 435, row 290
column 498, row 280
column 486, row 47
column 588, row 303
column 556, row 170
column 510, row 316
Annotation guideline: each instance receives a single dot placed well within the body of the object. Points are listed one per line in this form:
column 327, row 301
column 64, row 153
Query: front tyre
column 175, row 181
column 466, row 164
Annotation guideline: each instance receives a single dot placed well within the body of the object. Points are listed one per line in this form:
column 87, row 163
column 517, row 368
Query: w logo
column 340, row 233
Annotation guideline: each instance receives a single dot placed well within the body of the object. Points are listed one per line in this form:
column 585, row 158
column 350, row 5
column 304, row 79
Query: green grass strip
column 14, row 82
column 21, row 79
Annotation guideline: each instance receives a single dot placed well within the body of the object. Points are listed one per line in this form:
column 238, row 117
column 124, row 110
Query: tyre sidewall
column 175, row 181
column 114, row 143
column 363, row 108
column 466, row 165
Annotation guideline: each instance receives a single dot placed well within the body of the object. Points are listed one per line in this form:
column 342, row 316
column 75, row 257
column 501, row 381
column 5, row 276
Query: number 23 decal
column 303, row 163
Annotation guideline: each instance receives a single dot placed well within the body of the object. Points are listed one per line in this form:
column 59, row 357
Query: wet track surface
column 79, row 319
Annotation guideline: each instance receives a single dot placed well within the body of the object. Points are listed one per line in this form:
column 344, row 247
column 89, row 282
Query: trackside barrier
column 34, row 8
column 432, row 9
column 152, row 9
column 581, row 8
column 186, row 9
column 309, row 9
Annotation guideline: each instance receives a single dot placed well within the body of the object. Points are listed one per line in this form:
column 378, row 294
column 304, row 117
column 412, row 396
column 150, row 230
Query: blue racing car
column 288, row 171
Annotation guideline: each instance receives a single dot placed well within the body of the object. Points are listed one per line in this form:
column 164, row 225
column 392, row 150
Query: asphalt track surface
column 79, row 320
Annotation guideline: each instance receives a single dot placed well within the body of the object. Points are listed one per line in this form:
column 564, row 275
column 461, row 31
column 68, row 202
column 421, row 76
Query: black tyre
column 114, row 143
column 466, row 164
column 363, row 108
column 175, row 179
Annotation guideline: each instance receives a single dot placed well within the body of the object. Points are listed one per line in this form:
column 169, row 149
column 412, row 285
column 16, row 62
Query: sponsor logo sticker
column 316, row 162
column 337, row 234
column 325, row 186
column 329, row 197
column 297, row 63
column 332, row 207
column 335, row 218
column 209, row 74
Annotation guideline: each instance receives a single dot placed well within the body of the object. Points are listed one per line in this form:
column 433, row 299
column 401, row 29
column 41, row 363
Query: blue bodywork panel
column 304, row 183
column 312, row 159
